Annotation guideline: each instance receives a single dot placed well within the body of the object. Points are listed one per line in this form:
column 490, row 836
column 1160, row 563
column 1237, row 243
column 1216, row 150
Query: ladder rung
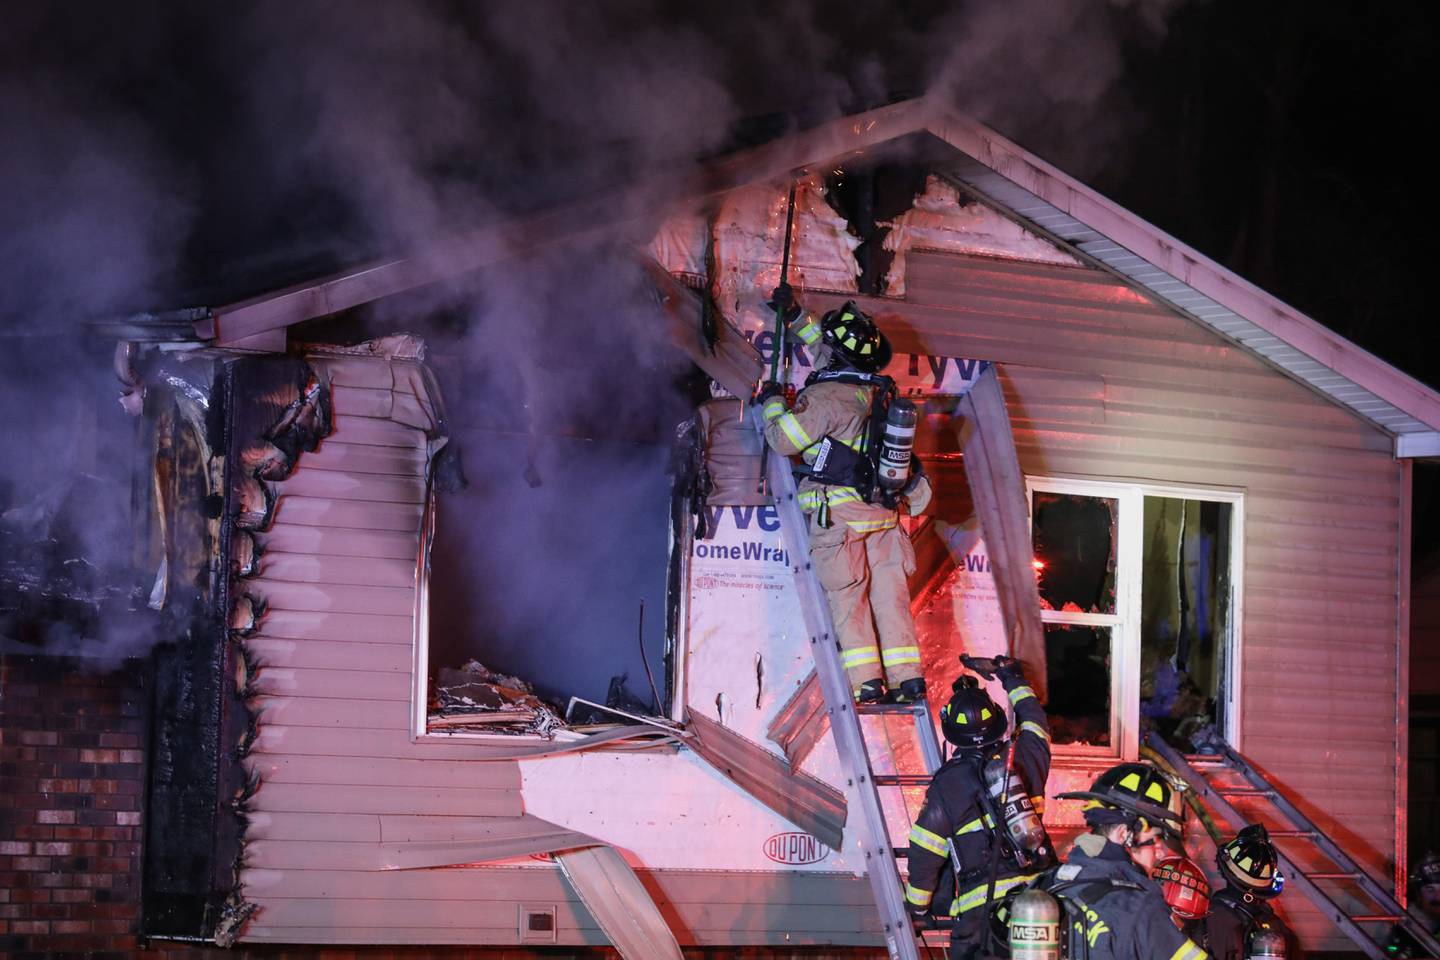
column 884, row 709
column 1332, row 876
column 1244, row 791
column 902, row 779
column 1206, row 760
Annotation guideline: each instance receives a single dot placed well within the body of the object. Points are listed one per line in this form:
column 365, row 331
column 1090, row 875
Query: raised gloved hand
column 1008, row 669
column 782, row 300
column 1003, row 667
column 769, row 389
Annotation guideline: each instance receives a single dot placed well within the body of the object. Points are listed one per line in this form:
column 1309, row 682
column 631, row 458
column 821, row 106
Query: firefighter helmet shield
column 1184, row 885
column 1136, row 788
column 971, row 720
column 1250, row 862
column 855, row 338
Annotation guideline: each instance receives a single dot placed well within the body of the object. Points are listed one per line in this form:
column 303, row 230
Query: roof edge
column 1187, row 265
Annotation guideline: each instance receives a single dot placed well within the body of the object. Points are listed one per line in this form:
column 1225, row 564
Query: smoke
column 172, row 158
column 91, row 208
column 1050, row 74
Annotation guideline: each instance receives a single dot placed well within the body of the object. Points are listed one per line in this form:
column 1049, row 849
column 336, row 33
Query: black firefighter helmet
column 1134, row 788
column 1427, row 871
column 1250, row 862
column 855, row 338
column 971, row 720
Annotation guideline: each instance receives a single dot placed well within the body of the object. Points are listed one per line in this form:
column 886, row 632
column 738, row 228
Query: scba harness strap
column 1083, row 926
column 855, row 464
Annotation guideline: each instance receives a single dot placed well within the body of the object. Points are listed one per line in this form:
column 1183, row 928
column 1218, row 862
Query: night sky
column 163, row 155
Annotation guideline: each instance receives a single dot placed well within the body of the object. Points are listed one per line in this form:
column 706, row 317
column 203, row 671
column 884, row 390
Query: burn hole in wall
column 866, row 195
column 540, row 565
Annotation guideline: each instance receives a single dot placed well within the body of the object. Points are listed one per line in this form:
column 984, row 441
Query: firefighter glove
column 782, row 301
column 770, row 389
column 985, row 666
column 1008, row 670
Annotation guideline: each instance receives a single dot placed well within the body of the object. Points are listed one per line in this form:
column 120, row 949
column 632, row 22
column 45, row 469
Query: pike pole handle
column 779, row 343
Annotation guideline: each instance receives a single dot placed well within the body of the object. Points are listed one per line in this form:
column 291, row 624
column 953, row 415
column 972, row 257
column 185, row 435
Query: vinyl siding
column 351, row 812
column 341, row 781
column 481, row 905
column 1103, row 384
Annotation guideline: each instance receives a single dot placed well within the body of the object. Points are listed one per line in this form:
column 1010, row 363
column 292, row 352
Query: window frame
column 1124, row 624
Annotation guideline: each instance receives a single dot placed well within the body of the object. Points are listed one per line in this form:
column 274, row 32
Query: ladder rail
column 1330, row 848
column 881, row 868
column 1313, row 893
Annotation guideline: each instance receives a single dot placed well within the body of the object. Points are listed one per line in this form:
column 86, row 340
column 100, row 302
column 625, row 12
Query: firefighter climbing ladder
column 1346, row 870
column 880, row 867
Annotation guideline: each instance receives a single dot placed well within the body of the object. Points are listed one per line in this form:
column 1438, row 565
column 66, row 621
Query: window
column 1139, row 599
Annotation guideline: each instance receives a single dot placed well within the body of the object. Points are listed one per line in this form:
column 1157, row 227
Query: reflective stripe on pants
column 971, row 899
column 865, row 579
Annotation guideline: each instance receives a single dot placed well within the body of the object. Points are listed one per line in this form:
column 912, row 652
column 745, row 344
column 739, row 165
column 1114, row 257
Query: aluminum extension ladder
column 1346, row 870
column 870, row 827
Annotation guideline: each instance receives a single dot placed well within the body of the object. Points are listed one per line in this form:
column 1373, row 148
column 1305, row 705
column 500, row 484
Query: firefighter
column 1187, row 891
column 979, row 833
column 1250, row 867
column 1163, row 839
column 1425, row 891
column 1112, row 909
column 860, row 553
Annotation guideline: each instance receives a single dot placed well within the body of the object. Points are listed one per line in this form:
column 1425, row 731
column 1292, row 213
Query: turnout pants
column 864, row 575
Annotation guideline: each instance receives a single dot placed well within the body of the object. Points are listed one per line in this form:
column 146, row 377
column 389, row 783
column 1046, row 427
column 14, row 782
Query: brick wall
column 71, row 777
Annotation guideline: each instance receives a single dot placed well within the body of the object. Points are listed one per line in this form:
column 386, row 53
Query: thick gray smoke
column 170, row 156
column 1050, row 74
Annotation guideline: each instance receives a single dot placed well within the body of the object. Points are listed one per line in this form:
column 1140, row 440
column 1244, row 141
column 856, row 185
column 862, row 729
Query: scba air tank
column 1265, row 943
column 896, row 445
column 1022, row 823
column 1034, row 927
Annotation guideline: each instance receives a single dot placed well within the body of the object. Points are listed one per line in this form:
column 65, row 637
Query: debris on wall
column 748, row 244
column 477, row 699
column 749, row 247
column 944, row 220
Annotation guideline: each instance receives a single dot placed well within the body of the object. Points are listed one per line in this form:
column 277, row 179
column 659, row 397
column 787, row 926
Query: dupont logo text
column 795, row 848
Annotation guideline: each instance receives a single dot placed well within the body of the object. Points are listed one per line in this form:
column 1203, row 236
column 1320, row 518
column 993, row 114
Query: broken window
column 1184, row 615
column 1075, row 542
column 1136, row 584
column 1077, row 658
